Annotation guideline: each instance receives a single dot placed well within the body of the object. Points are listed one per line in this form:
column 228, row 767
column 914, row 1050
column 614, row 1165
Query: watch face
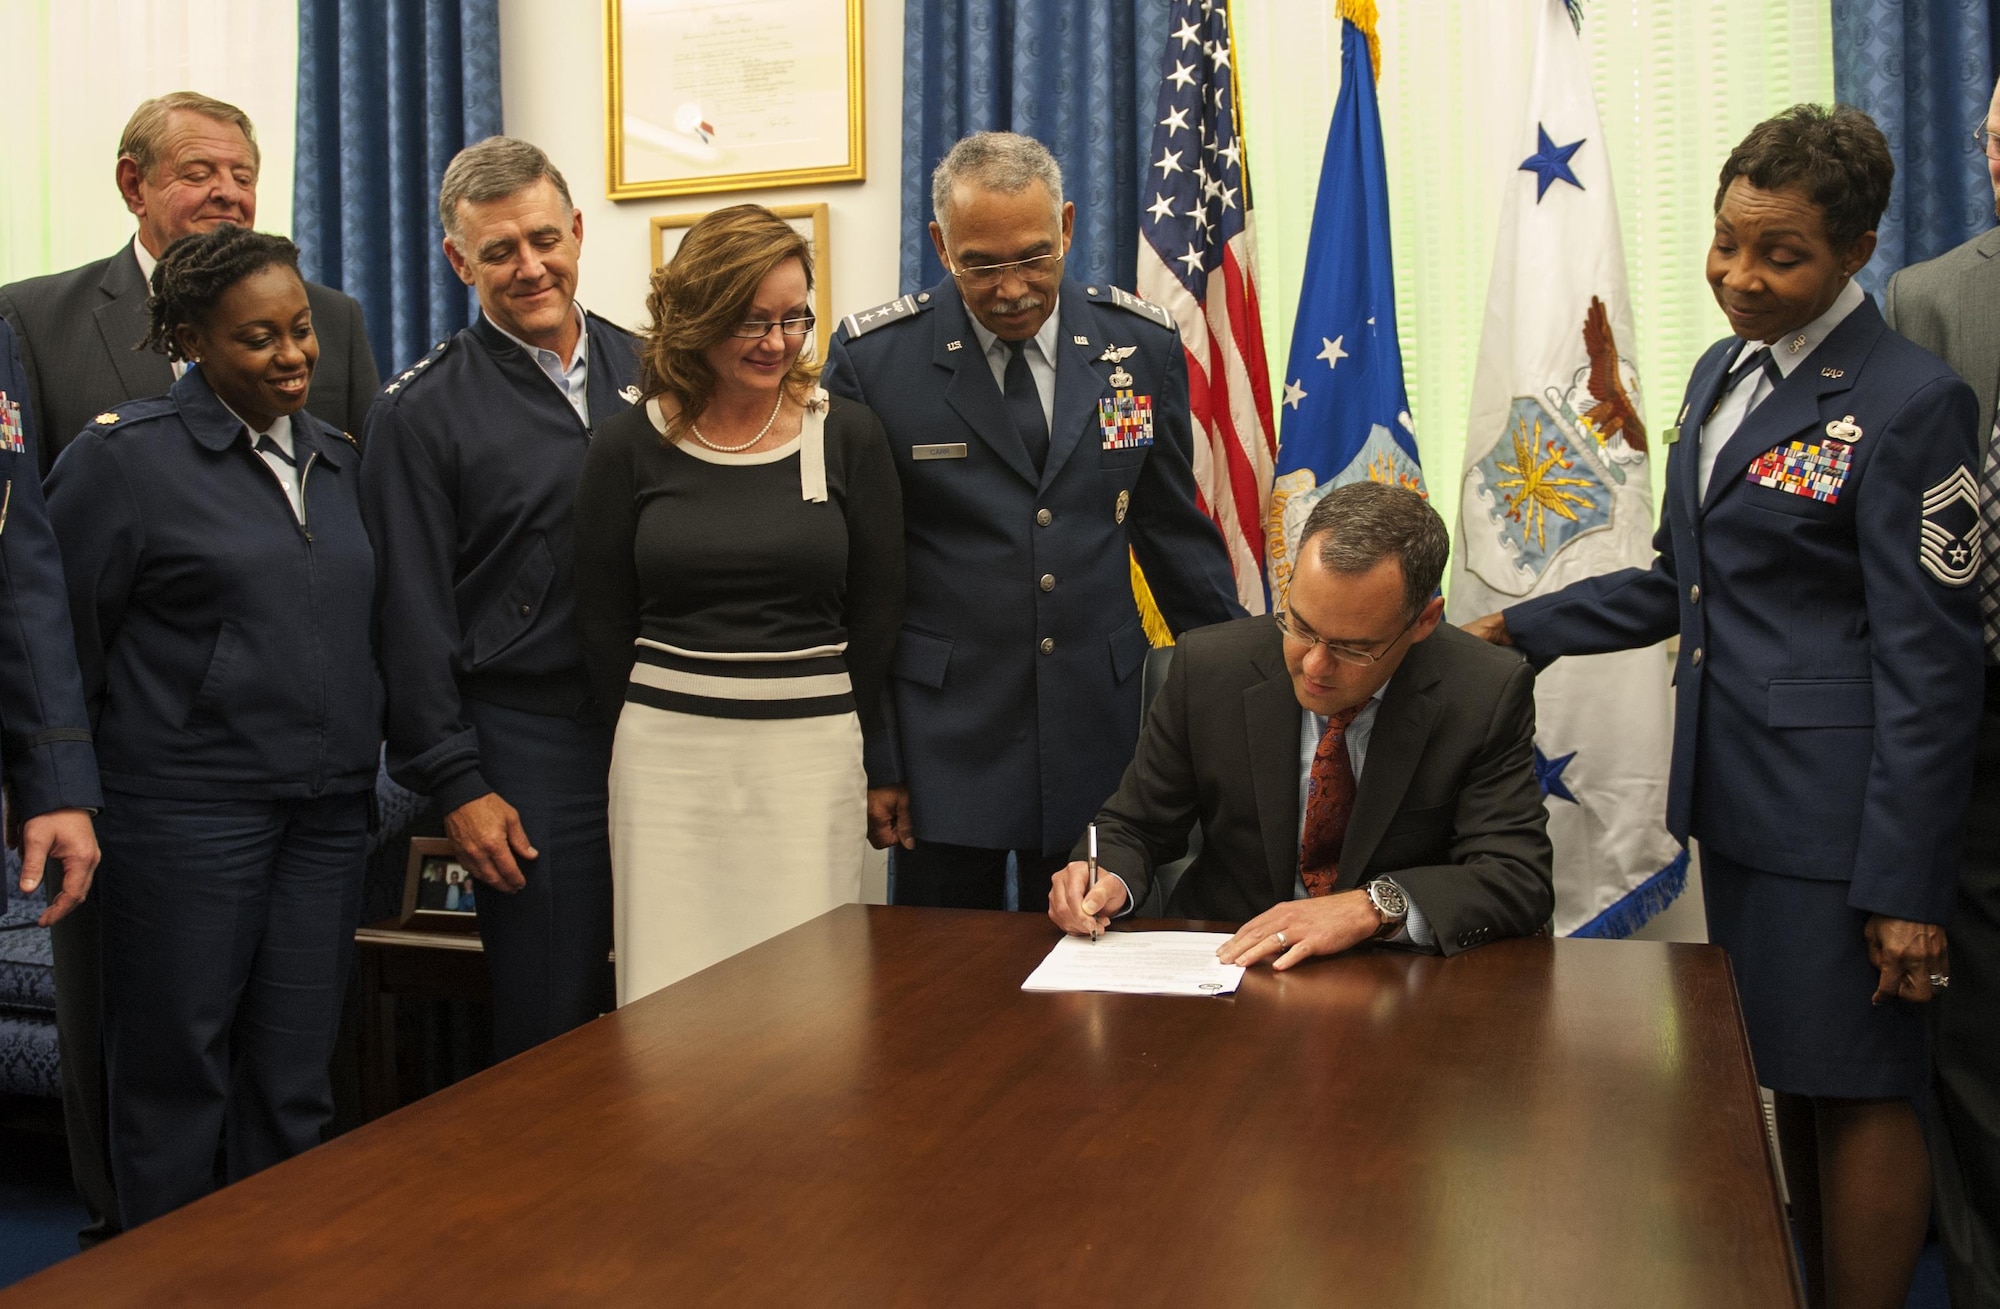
column 1389, row 898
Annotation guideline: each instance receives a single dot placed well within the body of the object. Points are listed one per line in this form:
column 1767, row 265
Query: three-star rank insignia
column 1948, row 544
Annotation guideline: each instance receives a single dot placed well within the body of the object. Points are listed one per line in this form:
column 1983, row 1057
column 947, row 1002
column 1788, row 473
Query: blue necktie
column 1024, row 405
column 1758, row 359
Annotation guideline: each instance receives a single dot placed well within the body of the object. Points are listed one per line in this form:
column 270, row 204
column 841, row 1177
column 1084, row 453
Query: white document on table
column 1138, row 963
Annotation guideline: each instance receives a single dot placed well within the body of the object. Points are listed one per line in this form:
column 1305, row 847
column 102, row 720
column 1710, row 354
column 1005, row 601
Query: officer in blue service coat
column 1815, row 552
column 1041, row 428
column 221, row 587
column 473, row 457
column 45, row 754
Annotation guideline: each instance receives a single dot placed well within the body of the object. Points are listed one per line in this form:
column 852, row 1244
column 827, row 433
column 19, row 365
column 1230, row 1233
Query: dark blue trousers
column 228, row 927
column 548, row 946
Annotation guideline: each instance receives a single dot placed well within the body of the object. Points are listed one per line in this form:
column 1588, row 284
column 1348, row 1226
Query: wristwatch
column 1391, row 903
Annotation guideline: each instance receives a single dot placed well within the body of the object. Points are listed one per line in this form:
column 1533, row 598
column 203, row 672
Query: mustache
column 1020, row 306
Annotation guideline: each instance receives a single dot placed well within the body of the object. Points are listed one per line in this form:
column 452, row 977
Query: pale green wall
column 1677, row 85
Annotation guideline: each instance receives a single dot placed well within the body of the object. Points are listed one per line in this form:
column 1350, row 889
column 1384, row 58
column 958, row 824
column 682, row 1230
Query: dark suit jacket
column 78, row 331
column 1950, row 306
column 1448, row 804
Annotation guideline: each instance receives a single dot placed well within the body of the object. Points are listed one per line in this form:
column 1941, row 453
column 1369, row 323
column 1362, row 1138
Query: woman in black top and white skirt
column 739, row 565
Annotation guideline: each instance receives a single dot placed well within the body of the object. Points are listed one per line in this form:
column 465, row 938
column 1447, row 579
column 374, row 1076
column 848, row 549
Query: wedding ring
column 1941, row 980
column 1282, row 942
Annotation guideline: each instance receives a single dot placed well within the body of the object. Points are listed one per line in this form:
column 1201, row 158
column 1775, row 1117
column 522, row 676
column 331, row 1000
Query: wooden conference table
column 868, row 1111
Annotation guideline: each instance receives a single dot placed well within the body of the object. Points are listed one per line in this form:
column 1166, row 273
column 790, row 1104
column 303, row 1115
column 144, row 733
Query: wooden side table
column 395, row 961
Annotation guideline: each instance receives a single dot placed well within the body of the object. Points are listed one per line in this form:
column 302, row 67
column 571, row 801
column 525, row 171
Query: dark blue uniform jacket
column 44, row 731
column 1829, row 680
column 473, row 460
column 1015, row 684
column 224, row 646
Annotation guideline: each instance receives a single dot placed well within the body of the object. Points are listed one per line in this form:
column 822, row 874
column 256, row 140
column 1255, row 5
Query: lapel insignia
column 1798, row 344
column 954, row 345
column 1948, row 544
column 1833, row 372
column 1120, row 378
column 1843, row 429
column 629, row 394
column 1114, row 354
column 1081, row 340
column 1124, row 503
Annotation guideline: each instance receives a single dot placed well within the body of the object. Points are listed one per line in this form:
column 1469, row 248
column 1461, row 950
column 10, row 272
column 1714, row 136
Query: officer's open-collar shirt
column 573, row 377
column 1788, row 354
column 1041, row 354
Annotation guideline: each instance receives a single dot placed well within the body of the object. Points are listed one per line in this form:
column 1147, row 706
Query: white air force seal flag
column 1949, row 545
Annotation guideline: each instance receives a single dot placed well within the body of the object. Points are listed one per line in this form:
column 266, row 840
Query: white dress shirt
column 1041, row 354
column 572, row 376
column 1789, row 353
column 146, row 266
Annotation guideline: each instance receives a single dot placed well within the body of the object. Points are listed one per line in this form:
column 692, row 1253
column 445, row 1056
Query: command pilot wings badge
column 1948, row 547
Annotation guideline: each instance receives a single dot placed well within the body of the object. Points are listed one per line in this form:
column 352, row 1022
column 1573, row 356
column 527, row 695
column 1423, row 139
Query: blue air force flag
column 1556, row 489
column 1345, row 414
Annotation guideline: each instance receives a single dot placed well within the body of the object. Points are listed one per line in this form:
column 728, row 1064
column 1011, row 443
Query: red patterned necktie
column 1329, row 804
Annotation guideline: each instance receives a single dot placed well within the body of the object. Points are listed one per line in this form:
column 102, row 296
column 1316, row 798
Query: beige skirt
column 727, row 830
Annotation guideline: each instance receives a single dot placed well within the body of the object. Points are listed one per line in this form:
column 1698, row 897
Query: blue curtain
column 1924, row 69
column 1076, row 75
column 389, row 91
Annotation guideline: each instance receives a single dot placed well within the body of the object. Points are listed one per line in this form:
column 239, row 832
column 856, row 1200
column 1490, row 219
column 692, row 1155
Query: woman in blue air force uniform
column 1817, row 546
column 220, row 582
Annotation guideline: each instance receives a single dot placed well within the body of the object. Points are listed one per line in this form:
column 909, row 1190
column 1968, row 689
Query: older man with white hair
column 1041, row 429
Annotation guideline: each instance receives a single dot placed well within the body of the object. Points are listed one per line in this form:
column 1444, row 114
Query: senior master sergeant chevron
column 1041, row 428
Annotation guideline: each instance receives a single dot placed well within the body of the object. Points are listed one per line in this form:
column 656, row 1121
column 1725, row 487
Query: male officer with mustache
column 1041, row 429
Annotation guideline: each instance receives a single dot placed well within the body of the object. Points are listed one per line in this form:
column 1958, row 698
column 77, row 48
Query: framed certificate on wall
column 724, row 95
column 809, row 221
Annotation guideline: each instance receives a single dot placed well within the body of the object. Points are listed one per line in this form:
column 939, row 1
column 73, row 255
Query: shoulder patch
column 415, row 370
column 903, row 306
column 1948, row 542
column 1124, row 299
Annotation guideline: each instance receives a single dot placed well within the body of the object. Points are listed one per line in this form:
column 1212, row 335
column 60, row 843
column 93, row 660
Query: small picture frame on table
column 437, row 890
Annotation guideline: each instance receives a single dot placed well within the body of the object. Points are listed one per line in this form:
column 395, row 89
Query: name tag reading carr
column 950, row 450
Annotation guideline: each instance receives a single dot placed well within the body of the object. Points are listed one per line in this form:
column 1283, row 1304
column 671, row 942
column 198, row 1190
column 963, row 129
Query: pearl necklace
column 762, row 432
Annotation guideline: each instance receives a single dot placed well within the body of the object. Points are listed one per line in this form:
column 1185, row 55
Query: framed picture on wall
column 723, row 95
column 437, row 889
column 809, row 221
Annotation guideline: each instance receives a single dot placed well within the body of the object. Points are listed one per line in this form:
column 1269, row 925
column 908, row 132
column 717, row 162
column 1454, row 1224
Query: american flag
column 1195, row 260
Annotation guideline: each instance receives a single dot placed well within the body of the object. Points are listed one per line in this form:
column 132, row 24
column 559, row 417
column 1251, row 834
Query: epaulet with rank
column 131, row 412
column 1124, row 299
column 903, row 306
column 415, row 370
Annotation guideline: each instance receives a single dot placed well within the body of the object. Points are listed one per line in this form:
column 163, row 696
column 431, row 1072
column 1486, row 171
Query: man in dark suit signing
column 186, row 163
column 1359, row 772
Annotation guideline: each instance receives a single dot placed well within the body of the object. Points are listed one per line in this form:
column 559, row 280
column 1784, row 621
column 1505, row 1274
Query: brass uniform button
column 1048, row 645
column 1048, row 581
column 1043, row 518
